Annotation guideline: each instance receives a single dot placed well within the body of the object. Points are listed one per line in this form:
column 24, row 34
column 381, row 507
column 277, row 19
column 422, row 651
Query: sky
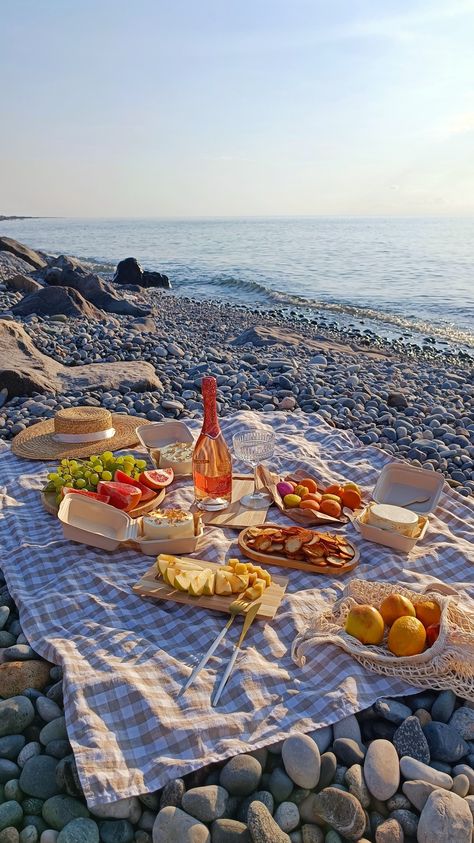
column 169, row 108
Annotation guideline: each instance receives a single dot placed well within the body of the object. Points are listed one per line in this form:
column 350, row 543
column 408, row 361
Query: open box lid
column 159, row 434
column 413, row 488
column 96, row 517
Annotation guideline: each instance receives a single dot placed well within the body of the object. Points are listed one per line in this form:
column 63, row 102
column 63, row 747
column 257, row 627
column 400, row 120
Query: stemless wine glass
column 253, row 446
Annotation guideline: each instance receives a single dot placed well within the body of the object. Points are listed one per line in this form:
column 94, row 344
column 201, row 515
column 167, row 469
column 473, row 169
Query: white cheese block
column 394, row 518
column 168, row 524
column 178, row 456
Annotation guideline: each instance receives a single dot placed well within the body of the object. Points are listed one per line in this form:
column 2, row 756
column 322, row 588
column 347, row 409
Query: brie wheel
column 168, row 524
column 393, row 518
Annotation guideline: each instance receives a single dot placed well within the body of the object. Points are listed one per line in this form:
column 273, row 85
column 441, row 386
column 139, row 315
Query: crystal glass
column 254, row 446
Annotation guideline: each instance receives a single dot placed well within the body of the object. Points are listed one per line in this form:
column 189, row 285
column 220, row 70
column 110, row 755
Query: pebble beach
column 412, row 401
column 398, row 772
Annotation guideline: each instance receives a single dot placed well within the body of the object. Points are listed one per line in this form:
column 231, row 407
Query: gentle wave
column 442, row 331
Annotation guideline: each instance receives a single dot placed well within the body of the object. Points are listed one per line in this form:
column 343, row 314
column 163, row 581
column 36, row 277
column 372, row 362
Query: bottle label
column 213, row 486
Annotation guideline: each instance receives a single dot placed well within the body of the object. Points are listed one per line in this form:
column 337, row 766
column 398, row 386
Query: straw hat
column 76, row 432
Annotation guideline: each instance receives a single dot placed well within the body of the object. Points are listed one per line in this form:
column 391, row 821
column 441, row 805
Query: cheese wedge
column 222, row 585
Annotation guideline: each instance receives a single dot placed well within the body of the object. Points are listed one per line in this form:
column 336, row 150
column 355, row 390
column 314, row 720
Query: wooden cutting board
column 237, row 516
column 152, row 585
column 48, row 499
column 284, row 562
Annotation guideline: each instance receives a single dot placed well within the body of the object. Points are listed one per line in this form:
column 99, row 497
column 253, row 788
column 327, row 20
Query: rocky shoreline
column 399, row 771
column 410, row 401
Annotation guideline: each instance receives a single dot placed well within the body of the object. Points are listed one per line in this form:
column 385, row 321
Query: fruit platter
column 209, row 585
column 299, row 548
column 120, row 481
column 308, row 501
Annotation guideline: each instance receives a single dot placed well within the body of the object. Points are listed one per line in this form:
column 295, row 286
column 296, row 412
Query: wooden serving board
column 237, row 516
column 48, row 499
column 284, row 562
column 152, row 585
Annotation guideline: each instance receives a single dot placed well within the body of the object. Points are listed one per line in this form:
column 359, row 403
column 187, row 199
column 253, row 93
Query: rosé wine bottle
column 212, row 462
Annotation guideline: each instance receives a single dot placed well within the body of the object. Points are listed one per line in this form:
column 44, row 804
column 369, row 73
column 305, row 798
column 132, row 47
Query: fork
column 237, row 607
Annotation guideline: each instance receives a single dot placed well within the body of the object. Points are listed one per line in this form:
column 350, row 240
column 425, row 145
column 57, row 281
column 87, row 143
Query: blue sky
column 209, row 108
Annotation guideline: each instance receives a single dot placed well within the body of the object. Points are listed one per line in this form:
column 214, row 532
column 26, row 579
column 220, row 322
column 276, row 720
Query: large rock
column 445, row 817
column 24, row 369
column 49, row 301
column 23, row 284
column 10, row 266
column 263, row 336
column 92, row 287
column 7, row 244
column 155, row 279
column 130, row 272
column 15, row 677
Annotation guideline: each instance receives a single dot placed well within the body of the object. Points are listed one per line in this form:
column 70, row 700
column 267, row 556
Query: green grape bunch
column 86, row 474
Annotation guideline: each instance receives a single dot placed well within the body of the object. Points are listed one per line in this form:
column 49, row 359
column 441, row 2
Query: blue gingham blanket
column 124, row 657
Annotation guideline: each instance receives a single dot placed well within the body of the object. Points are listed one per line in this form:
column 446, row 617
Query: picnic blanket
column 124, row 658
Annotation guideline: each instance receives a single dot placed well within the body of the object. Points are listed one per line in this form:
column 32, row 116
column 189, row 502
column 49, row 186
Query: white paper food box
column 409, row 487
column 100, row 525
column 155, row 436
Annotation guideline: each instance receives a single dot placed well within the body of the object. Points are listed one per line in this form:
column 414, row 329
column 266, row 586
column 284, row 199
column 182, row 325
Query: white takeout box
column 100, row 525
column 403, row 485
column 155, row 436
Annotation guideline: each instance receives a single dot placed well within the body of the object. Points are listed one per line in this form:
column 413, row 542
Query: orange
column 396, row 606
column 428, row 613
column 366, row 624
column 310, row 484
column 309, row 505
column 330, row 507
column 351, row 498
column 335, row 489
column 407, row 637
column 312, row 496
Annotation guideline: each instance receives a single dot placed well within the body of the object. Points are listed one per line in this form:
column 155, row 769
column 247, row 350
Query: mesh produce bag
column 448, row 663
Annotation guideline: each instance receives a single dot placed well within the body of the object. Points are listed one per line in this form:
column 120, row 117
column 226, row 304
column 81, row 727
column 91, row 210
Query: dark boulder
column 7, row 244
column 156, row 279
column 130, row 273
column 93, row 288
column 50, row 301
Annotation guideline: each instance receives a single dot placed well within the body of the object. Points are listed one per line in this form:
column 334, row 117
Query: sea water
column 410, row 275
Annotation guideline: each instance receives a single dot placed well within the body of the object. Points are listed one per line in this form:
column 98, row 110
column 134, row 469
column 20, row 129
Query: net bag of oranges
column 409, row 645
